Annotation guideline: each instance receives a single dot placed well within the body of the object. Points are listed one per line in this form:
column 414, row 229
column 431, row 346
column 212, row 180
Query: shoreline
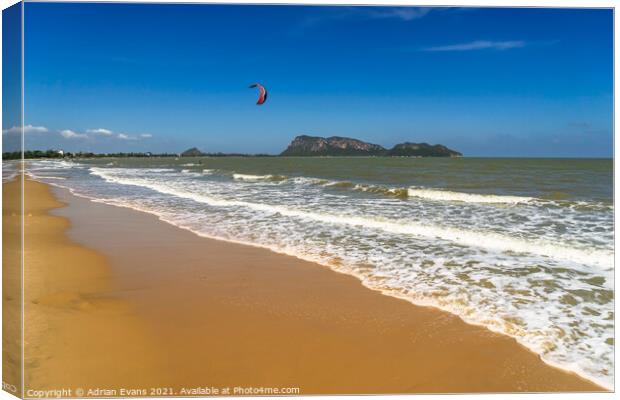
column 336, row 269
column 466, row 340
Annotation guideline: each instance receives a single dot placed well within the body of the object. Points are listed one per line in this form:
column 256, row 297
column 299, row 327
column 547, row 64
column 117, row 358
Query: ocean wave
column 191, row 173
column 447, row 195
column 484, row 240
column 302, row 180
column 578, row 205
column 44, row 176
column 340, row 184
column 254, row 178
column 348, row 185
column 48, row 164
column 142, row 170
column 386, row 191
column 10, row 169
column 7, row 177
column 423, row 193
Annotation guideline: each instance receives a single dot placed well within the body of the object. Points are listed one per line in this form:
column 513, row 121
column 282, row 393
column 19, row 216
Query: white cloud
column 370, row 12
column 27, row 129
column 69, row 134
column 479, row 45
column 405, row 14
column 12, row 130
column 122, row 136
column 100, row 131
column 35, row 129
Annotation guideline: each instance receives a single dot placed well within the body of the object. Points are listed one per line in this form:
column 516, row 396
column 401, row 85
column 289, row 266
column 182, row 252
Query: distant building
column 60, row 153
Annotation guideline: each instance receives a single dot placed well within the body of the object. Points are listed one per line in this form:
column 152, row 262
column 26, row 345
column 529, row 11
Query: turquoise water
column 522, row 246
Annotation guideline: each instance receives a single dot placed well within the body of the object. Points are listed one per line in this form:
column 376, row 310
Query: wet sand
column 116, row 298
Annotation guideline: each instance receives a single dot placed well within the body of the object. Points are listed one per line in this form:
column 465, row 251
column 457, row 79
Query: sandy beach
column 77, row 332
column 117, row 299
column 11, row 286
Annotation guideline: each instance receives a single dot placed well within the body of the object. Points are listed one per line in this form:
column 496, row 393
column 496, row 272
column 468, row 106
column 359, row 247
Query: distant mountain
column 193, row 152
column 422, row 150
column 332, row 146
column 305, row 145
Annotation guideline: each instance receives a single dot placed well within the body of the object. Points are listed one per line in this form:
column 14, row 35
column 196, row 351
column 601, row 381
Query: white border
column 479, row 3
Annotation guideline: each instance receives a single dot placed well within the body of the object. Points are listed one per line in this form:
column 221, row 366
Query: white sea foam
column 254, row 178
column 446, row 195
column 158, row 170
column 45, row 176
column 303, row 180
column 9, row 170
column 423, row 193
column 246, row 177
column 7, row 177
column 485, row 240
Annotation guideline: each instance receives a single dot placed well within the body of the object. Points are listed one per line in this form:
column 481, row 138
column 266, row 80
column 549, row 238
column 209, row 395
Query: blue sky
column 11, row 76
column 487, row 82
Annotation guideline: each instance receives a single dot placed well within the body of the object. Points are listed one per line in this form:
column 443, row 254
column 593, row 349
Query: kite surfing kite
column 262, row 93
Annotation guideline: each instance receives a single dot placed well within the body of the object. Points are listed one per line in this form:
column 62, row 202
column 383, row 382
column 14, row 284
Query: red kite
column 262, row 93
